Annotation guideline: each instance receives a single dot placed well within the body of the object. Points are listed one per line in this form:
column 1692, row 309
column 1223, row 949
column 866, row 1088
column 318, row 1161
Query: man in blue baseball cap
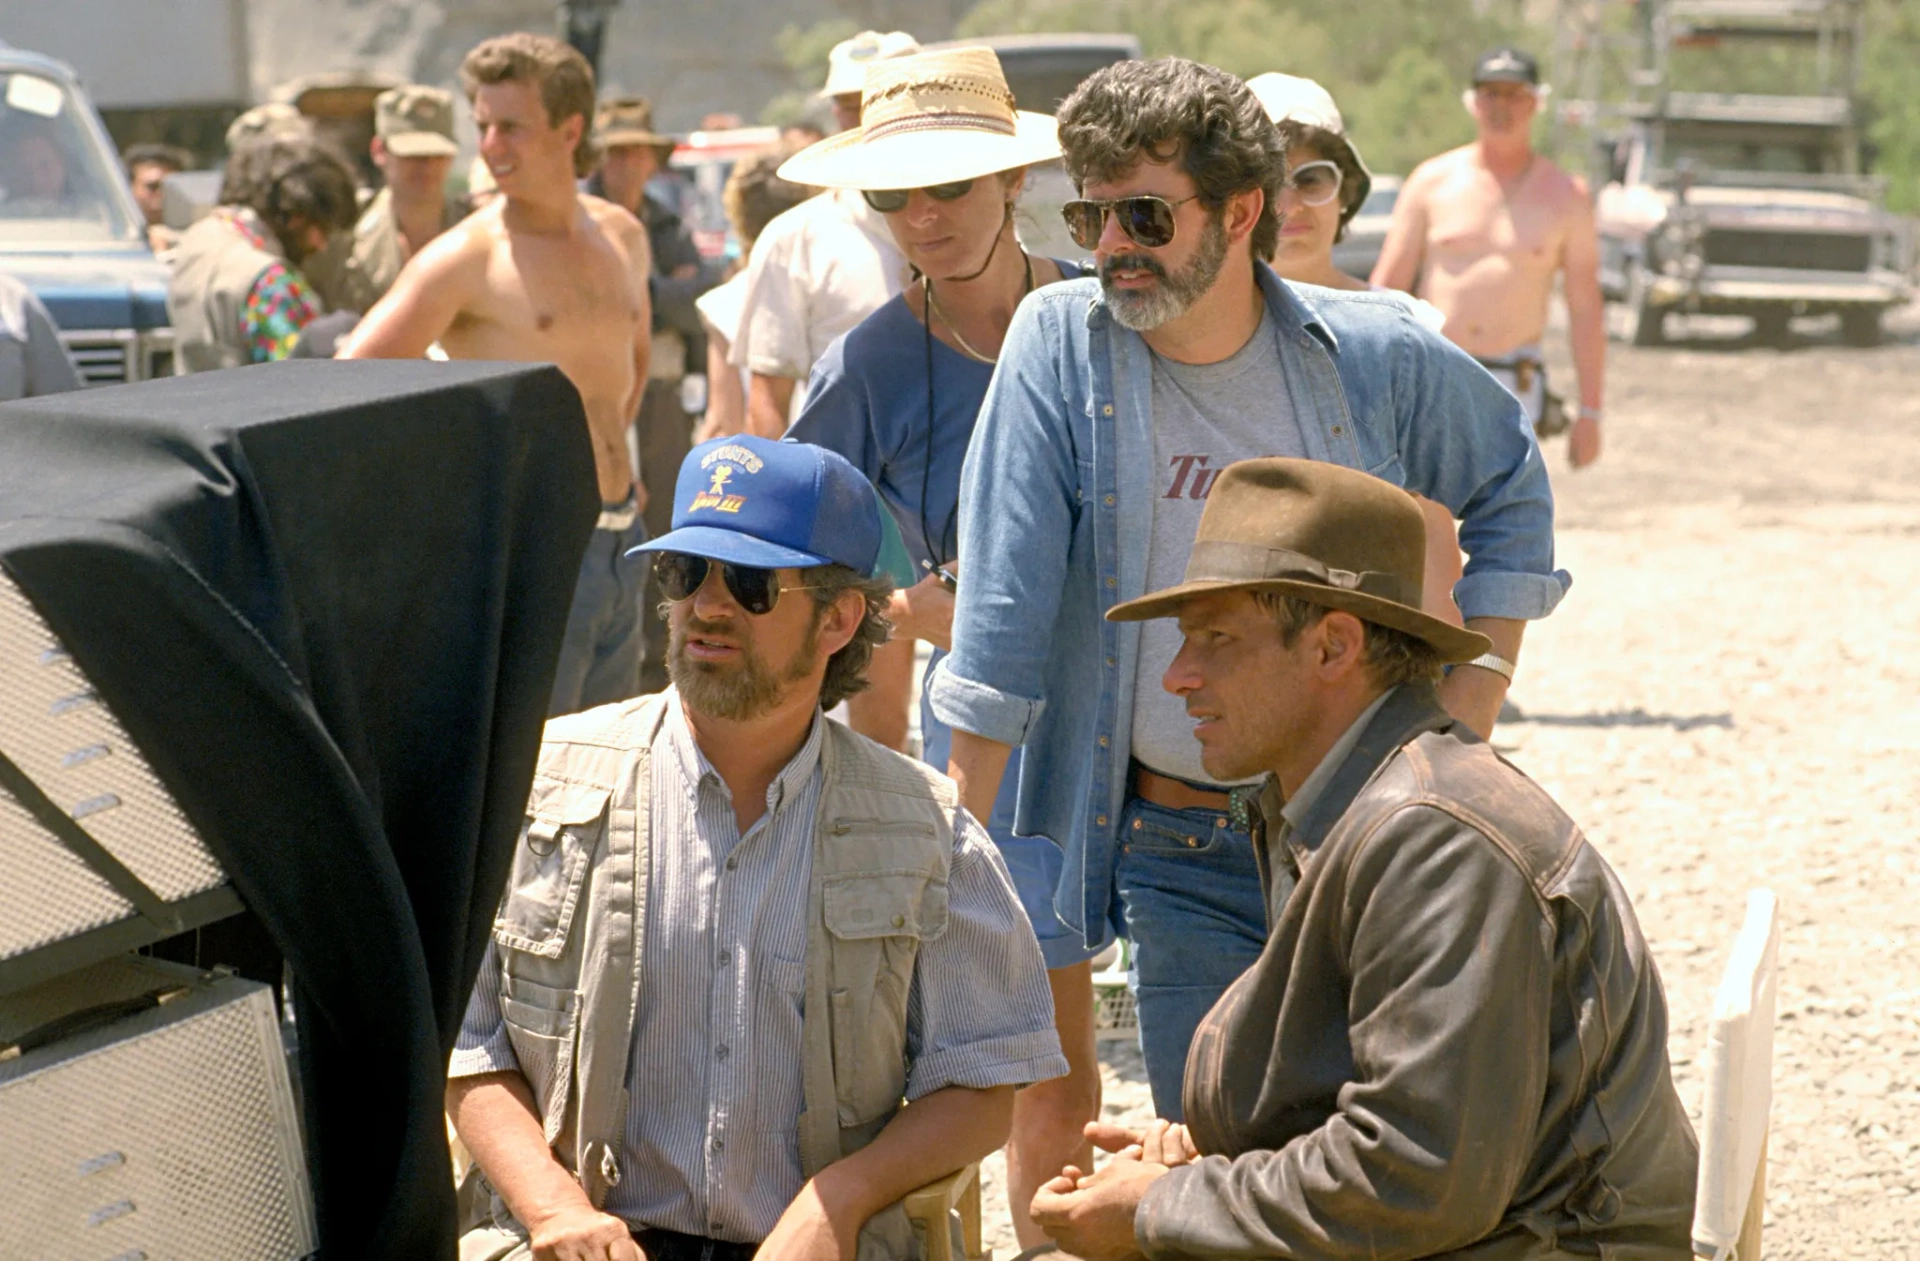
column 814, row 928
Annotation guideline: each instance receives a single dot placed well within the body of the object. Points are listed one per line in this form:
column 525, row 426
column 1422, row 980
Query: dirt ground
column 1729, row 698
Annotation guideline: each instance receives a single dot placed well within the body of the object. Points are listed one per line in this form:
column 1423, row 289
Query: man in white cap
column 820, row 268
column 414, row 148
column 1480, row 232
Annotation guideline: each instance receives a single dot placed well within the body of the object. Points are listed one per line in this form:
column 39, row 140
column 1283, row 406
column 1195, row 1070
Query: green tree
column 1395, row 66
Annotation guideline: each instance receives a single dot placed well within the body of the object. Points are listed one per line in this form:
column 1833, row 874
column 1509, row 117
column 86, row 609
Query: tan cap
column 627, row 120
column 847, row 63
column 274, row 118
column 415, row 122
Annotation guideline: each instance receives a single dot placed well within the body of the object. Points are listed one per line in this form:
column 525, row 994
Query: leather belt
column 671, row 1245
column 1176, row 794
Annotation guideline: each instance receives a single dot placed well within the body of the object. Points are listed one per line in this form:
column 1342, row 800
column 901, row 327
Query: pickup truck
column 69, row 227
column 1750, row 205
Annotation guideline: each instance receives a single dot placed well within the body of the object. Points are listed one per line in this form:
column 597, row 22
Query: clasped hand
column 1091, row 1215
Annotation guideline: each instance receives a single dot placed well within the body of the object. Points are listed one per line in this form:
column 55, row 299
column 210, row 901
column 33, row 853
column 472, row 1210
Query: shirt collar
column 1297, row 805
column 697, row 772
column 1296, row 316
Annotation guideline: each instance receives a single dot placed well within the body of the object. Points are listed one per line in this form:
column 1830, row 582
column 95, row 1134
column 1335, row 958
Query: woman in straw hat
column 942, row 154
column 1327, row 180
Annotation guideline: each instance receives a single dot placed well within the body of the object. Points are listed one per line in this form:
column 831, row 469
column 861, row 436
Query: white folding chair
column 1731, row 1194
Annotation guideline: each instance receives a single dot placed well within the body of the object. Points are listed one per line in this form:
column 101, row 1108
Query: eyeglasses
column 1147, row 220
column 755, row 590
column 1316, row 183
column 890, row 201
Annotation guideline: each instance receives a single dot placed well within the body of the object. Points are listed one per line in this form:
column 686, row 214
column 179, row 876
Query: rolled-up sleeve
column 980, row 1013
column 1466, row 443
column 1019, row 494
column 482, row 1046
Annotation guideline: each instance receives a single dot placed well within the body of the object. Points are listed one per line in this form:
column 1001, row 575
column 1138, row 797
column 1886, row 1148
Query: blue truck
column 70, row 229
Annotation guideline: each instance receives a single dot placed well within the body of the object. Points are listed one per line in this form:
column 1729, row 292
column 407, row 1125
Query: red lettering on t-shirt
column 1202, row 480
column 1182, row 465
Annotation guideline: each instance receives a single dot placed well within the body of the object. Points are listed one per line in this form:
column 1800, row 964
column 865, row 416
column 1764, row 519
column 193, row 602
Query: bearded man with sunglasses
column 736, row 936
column 1116, row 403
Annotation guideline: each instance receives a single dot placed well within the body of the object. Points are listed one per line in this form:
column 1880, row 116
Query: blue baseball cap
column 772, row 505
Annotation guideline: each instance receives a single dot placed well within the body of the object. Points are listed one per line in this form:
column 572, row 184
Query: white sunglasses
column 1317, row 183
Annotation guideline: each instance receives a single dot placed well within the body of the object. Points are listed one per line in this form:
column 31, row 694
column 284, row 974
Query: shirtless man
column 545, row 275
column 1479, row 232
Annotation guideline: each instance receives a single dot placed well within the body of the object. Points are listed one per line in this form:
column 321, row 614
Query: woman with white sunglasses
column 1326, row 183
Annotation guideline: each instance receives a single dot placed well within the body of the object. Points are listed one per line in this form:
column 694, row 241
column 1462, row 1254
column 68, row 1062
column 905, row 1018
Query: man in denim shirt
column 1116, row 403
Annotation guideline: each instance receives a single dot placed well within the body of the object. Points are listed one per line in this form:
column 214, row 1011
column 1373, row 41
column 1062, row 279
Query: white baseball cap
column 847, row 63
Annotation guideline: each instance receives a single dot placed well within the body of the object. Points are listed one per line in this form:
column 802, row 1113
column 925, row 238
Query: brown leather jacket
column 1454, row 1044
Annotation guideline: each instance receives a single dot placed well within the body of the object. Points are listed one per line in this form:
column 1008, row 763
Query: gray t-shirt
column 1205, row 417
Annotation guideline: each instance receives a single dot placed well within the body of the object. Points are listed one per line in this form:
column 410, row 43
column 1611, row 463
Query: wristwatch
column 1490, row 661
column 1589, row 413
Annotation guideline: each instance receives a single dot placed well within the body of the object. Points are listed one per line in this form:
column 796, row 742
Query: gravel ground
column 1727, row 700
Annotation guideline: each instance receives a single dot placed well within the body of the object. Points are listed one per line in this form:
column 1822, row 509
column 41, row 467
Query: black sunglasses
column 893, row 200
column 1147, row 220
column 755, row 590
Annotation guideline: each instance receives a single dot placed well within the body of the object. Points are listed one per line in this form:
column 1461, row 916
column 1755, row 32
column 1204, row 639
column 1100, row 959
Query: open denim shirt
column 1056, row 516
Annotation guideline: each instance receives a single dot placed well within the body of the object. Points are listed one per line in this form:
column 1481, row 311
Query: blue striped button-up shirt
column 712, row 1142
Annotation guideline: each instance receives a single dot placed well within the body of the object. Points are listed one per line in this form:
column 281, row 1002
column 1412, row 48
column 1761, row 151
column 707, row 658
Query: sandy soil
column 1729, row 698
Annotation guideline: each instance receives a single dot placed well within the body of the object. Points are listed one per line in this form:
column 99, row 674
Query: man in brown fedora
column 1455, row 1041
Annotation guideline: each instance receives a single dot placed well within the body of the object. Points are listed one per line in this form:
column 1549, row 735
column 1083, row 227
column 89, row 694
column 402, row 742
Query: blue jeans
column 600, row 655
column 1189, row 889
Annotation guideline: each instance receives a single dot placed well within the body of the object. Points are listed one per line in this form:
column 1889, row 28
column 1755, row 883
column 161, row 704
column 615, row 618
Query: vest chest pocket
column 565, row 823
column 877, row 921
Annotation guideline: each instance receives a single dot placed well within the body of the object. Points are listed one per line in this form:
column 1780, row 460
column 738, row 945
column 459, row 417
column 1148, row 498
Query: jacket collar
column 1296, row 316
column 1412, row 710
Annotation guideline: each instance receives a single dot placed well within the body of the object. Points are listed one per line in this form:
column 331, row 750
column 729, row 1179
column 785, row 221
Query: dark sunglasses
column 755, row 590
column 893, row 200
column 1147, row 220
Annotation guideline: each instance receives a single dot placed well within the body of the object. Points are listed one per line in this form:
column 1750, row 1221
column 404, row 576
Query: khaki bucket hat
column 415, row 122
column 933, row 118
column 1326, row 533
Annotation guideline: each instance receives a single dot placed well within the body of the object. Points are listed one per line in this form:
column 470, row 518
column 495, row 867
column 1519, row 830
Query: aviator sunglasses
column 755, row 590
column 1147, row 220
column 890, row 201
column 1317, row 183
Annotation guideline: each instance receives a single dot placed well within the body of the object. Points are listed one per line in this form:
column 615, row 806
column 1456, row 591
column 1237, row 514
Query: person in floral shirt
column 238, row 295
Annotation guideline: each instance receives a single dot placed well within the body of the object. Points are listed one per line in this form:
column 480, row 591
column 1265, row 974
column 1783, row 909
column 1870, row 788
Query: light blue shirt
column 712, row 1137
column 1055, row 521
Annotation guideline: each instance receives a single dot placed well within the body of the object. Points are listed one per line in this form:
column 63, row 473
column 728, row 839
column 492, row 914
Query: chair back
column 1731, row 1194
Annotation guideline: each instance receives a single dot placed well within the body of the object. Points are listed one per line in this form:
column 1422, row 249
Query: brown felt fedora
column 1325, row 533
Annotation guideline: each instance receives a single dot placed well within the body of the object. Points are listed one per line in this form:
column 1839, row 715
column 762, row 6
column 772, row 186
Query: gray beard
column 747, row 691
column 1145, row 310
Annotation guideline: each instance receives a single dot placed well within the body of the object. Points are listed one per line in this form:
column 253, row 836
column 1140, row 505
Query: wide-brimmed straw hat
column 1326, row 533
column 1290, row 99
column 934, row 118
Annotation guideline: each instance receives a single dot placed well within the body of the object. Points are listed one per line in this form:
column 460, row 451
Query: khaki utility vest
column 572, row 926
column 214, row 269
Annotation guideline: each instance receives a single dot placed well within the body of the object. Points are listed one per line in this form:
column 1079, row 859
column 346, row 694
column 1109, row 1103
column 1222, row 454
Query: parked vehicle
column 1751, row 204
column 1359, row 250
column 70, row 229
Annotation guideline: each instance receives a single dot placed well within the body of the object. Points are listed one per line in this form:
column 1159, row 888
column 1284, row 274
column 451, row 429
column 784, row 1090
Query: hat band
column 950, row 121
column 1222, row 560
